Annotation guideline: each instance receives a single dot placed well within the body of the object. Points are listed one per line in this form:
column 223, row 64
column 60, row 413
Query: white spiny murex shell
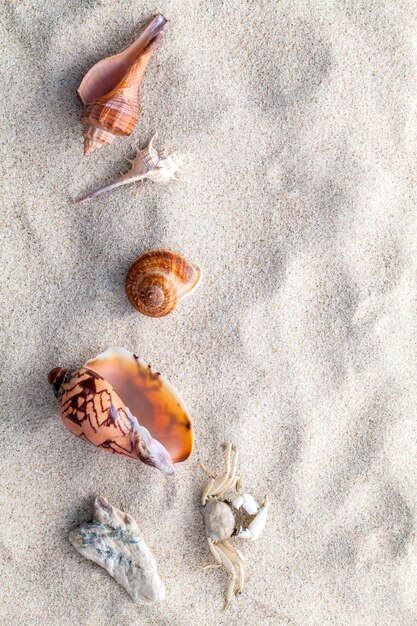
column 148, row 163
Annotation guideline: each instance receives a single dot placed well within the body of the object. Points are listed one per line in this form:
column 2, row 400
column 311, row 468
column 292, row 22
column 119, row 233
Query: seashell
column 110, row 90
column 118, row 403
column 113, row 540
column 158, row 279
column 148, row 163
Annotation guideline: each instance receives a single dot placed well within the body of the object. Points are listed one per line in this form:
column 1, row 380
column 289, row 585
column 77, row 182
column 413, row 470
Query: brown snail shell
column 158, row 279
column 120, row 404
column 110, row 90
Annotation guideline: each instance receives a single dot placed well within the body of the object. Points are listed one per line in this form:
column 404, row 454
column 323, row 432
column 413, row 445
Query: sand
column 298, row 122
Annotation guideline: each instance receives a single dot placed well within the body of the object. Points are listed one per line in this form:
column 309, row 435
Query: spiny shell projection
column 110, row 90
column 158, row 279
column 148, row 163
column 114, row 541
column 118, row 403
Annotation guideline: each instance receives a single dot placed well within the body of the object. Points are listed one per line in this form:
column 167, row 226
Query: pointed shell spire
column 110, row 90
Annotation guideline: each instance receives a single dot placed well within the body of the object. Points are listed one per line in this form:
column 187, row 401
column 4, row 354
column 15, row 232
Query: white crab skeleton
column 221, row 523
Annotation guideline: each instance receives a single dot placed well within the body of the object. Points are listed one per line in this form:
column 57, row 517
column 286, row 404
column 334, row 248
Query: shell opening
column 151, row 451
column 150, row 398
column 105, row 75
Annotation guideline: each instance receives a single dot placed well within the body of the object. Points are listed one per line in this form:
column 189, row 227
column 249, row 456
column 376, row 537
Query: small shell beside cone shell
column 110, row 90
column 158, row 279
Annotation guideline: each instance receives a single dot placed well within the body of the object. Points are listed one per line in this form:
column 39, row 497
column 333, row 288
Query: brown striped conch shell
column 109, row 91
column 120, row 404
column 158, row 279
column 148, row 163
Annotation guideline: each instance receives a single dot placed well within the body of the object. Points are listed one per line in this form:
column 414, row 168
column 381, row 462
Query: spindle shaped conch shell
column 109, row 91
column 148, row 163
column 120, row 404
column 158, row 279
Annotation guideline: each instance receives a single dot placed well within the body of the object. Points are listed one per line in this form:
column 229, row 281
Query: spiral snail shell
column 109, row 91
column 158, row 279
column 119, row 404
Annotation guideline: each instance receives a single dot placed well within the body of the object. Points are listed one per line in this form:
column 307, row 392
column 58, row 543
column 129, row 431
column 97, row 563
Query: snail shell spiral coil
column 158, row 280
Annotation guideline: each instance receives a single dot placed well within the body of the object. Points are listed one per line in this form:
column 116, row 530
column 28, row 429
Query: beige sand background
column 298, row 122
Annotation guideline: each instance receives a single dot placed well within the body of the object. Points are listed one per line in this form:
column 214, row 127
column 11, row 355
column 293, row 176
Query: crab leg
column 229, row 450
column 223, row 483
column 207, row 491
column 205, row 469
column 236, row 557
column 234, row 551
column 232, row 478
column 215, row 553
column 220, row 480
column 220, row 484
column 221, row 557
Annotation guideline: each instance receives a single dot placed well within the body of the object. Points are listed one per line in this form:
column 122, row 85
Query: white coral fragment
column 113, row 541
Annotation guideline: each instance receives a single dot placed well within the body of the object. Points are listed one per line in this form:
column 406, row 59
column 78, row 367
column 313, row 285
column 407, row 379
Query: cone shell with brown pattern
column 118, row 403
